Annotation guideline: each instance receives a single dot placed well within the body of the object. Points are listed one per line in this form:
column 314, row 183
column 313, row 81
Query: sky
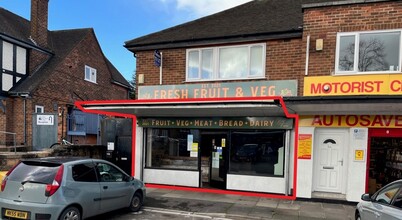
column 118, row 21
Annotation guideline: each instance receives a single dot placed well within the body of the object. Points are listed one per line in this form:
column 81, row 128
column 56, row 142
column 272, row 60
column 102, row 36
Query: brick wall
column 324, row 23
column 65, row 86
column 283, row 62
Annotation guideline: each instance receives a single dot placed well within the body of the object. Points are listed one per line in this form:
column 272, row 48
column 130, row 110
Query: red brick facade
column 65, row 86
column 325, row 22
column 283, row 62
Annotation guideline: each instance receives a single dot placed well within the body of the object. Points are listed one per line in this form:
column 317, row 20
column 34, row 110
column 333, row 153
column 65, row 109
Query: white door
column 329, row 161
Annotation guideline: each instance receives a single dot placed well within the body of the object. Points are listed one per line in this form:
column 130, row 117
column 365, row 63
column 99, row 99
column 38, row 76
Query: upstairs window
column 226, row 63
column 90, row 74
column 39, row 109
column 368, row 52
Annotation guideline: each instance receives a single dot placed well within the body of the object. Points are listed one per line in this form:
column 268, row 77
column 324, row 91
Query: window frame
column 216, row 63
column 90, row 69
column 41, row 107
column 355, row 70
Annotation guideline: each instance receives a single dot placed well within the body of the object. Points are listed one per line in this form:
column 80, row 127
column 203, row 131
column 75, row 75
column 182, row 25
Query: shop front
column 233, row 138
column 244, row 153
column 351, row 129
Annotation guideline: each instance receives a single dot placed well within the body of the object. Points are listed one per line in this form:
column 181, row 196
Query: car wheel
column 136, row 202
column 70, row 213
column 357, row 216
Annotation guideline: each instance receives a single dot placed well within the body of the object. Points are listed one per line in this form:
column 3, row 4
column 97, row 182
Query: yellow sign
column 223, row 142
column 386, row 84
column 359, row 155
column 305, row 143
column 370, row 121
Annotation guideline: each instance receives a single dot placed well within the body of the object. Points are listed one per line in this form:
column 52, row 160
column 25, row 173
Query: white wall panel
column 172, row 177
column 7, row 56
column 21, row 60
column 256, row 183
column 7, row 82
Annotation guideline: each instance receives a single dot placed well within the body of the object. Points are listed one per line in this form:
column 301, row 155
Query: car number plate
column 16, row 214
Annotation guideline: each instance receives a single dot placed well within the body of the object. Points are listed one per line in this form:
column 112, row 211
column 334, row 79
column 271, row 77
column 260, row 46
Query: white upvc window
column 90, row 74
column 226, row 63
column 368, row 52
column 39, row 109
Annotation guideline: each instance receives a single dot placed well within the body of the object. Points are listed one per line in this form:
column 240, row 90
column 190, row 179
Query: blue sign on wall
column 157, row 58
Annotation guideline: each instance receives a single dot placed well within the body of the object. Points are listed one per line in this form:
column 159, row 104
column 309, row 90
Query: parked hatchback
column 67, row 188
column 385, row 204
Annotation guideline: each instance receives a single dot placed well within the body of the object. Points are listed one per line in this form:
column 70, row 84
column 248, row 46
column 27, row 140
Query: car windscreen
column 38, row 172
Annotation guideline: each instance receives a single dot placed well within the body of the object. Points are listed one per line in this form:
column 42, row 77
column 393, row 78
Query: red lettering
column 396, row 86
column 328, row 122
column 369, row 86
column 345, row 87
column 387, row 119
column 315, row 89
column 357, row 87
column 398, row 121
column 339, row 119
column 365, row 120
column 377, row 120
column 378, row 85
column 351, row 118
column 316, row 120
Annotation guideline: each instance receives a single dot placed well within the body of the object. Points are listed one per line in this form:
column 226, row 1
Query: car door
column 85, row 188
column 382, row 208
column 116, row 192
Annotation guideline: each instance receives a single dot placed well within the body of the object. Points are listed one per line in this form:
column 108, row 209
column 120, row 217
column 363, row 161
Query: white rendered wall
column 172, row 177
column 305, row 169
column 356, row 184
column 256, row 183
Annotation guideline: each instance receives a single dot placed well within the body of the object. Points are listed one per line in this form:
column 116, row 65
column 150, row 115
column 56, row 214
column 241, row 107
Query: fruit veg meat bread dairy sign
column 353, row 85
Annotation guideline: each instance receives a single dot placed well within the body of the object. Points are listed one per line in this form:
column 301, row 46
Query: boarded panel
column 44, row 130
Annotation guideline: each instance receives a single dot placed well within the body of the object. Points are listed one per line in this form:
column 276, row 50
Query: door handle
column 105, row 187
column 341, row 161
column 328, row 168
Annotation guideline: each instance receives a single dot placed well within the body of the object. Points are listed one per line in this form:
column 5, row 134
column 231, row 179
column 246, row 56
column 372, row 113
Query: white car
column 385, row 204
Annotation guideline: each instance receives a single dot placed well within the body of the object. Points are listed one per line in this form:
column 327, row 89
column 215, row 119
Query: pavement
column 221, row 206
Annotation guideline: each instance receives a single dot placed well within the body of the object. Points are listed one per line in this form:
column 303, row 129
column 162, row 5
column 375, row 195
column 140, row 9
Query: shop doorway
column 214, row 159
column 329, row 160
column 385, row 153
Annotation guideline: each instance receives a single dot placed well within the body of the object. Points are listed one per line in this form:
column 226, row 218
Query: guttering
column 339, row 3
column 293, row 33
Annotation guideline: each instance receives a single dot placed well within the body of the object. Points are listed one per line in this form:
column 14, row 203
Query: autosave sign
column 157, row 58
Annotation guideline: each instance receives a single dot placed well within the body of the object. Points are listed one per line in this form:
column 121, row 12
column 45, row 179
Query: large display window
column 257, row 153
column 169, row 148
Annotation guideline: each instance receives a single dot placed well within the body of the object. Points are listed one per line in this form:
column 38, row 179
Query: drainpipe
column 25, row 121
column 307, row 54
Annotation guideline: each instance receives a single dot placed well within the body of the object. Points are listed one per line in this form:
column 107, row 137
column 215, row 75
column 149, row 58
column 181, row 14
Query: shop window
column 257, row 153
column 172, row 149
column 385, row 161
column 226, row 63
column 368, row 52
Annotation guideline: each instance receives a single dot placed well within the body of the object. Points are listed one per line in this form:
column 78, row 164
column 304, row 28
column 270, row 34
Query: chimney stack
column 39, row 22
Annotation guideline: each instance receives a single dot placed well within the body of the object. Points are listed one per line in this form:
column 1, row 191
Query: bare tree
column 371, row 56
